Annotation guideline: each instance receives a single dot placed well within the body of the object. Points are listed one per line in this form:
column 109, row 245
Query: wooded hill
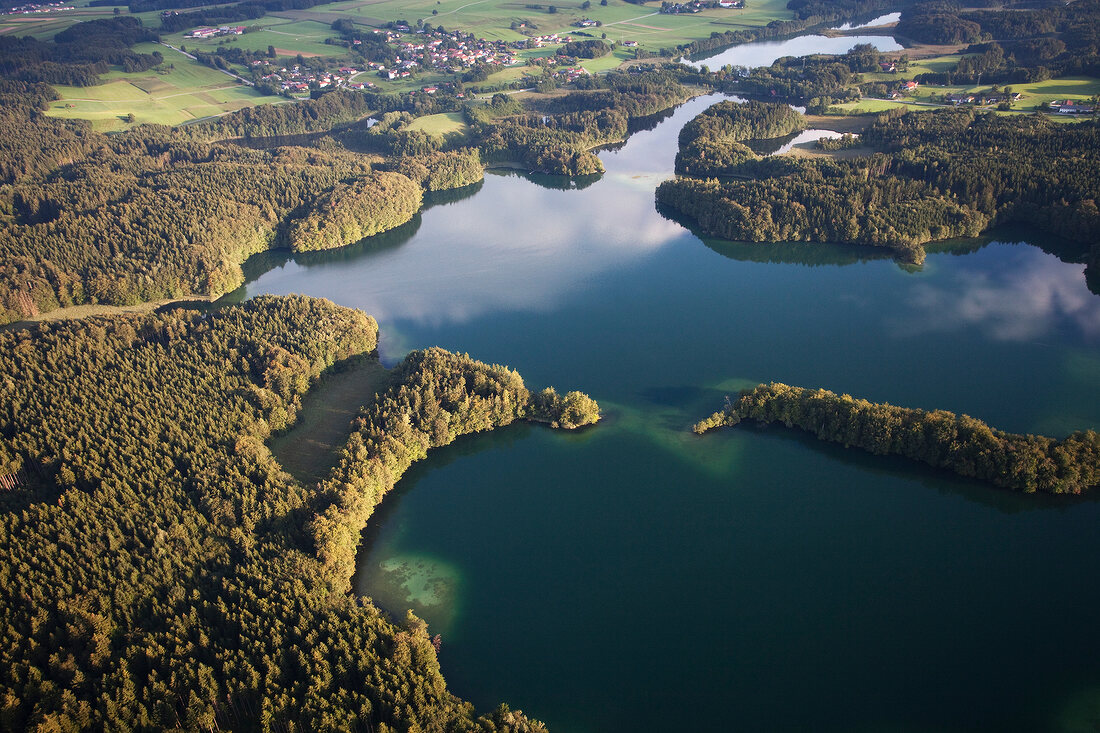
column 712, row 144
column 936, row 175
column 938, row 438
column 163, row 571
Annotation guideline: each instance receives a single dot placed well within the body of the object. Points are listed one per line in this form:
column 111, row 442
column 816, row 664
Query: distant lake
column 635, row 577
column 881, row 20
column 765, row 53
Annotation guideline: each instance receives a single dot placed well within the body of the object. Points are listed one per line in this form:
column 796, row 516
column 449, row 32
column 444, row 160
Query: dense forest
column 942, row 439
column 162, row 569
column 353, row 211
column 712, row 144
column 1020, row 42
column 78, row 55
column 935, row 175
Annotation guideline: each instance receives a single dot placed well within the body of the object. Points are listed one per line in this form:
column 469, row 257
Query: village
column 298, row 79
column 442, row 51
column 225, row 30
column 34, row 8
column 697, row 6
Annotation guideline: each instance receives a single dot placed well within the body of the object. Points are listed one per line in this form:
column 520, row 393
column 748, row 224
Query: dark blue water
column 637, row 577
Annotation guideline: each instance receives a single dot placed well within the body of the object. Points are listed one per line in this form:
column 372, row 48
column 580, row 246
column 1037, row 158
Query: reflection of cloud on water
column 517, row 246
column 1023, row 301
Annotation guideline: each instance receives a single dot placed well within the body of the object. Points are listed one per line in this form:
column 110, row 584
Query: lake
column 635, row 577
column 765, row 53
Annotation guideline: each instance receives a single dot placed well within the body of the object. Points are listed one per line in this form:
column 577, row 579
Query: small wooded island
column 939, row 438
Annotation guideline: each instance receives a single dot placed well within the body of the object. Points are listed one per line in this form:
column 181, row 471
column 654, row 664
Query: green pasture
column 289, row 38
column 608, row 62
column 448, row 125
column 187, row 91
column 924, row 66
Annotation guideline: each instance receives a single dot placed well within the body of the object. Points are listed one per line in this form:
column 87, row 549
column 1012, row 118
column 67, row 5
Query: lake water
column 635, row 577
column 874, row 23
column 765, row 53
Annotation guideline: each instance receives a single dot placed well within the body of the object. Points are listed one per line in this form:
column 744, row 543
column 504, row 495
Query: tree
column 553, row 9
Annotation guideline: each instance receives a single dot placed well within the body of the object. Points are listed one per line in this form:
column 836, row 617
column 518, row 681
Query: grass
column 445, row 125
column 310, row 448
column 289, row 37
column 186, row 92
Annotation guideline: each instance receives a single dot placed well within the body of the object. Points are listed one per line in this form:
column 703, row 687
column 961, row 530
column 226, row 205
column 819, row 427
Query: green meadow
column 448, row 125
column 289, row 37
column 186, row 91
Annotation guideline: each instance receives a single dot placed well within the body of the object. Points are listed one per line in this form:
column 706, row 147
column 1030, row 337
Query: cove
column 634, row 577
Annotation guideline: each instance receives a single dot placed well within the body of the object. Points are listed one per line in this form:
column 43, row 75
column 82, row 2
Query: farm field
column 288, row 37
column 46, row 25
column 492, row 19
column 188, row 91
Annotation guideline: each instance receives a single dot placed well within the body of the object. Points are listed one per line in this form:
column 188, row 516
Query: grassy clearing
column 310, row 448
column 187, row 91
column 445, row 125
column 610, row 61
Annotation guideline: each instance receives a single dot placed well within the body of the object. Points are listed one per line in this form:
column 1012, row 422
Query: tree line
column 942, row 439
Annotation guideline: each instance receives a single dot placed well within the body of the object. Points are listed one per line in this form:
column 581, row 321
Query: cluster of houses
column 298, row 79
column 449, row 52
column 981, row 98
column 570, row 73
column 540, row 41
column 697, row 6
column 1071, row 107
column 225, row 30
column 32, row 8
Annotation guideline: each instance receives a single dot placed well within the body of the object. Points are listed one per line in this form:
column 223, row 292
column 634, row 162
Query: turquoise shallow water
column 637, row 577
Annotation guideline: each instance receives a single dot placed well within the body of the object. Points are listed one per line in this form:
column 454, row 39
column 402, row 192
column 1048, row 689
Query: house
column 911, row 85
column 888, row 67
column 630, row 44
column 1071, row 107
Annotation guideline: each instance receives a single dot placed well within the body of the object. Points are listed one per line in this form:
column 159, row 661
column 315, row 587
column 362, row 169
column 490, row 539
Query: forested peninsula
column 933, row 175
column 942, row 439
column 164, row 571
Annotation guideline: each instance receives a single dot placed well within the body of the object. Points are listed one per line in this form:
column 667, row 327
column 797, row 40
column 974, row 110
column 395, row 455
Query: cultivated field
column 186, row 92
